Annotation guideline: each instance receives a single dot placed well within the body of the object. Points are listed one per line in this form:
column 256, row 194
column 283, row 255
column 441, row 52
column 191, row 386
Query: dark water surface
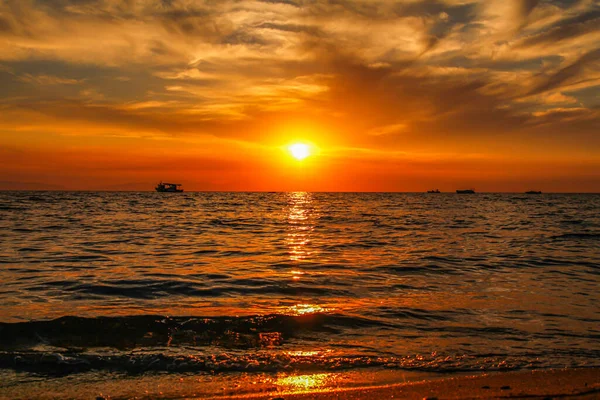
column 223, row 283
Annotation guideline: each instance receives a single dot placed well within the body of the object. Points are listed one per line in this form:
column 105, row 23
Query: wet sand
column 353, row 385
column 550, row 384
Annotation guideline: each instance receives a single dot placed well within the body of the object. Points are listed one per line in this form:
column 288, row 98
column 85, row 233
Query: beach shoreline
column 543, row 384
column 354, row 385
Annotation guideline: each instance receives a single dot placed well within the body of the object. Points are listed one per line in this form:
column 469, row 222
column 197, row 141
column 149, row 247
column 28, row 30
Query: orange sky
column 498, row 95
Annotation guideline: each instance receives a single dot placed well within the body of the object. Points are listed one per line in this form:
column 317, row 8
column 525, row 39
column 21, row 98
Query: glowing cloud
column 403, row 95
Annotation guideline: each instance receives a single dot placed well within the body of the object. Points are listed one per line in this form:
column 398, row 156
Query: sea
column 118, row 294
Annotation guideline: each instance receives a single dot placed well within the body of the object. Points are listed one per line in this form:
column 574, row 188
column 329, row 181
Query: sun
column 299, row 150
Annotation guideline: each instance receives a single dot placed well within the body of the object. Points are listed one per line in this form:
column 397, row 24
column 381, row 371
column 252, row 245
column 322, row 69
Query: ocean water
column 214, row 285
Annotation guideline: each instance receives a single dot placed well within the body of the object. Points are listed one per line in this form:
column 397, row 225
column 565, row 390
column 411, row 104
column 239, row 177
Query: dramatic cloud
column 411, row 79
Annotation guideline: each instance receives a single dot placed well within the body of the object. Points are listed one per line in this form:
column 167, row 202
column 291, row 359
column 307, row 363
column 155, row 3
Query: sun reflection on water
column 303, row 309
column 302, row 353
column 296, row 274
column 300, row 383
column 300, row 225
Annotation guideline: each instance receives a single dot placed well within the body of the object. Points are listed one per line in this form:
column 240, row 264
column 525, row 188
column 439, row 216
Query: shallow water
column 223, row 283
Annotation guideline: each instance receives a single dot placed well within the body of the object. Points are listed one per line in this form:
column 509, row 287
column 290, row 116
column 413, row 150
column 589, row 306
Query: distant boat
column 533, row 192
column 169, row 187
column 434, row 191
column 465, row 191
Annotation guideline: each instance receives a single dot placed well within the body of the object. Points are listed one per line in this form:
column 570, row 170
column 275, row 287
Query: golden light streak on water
column 301, row 353
column 301, row 383
column 303, row 309
column 300, row 226
column 296, row 274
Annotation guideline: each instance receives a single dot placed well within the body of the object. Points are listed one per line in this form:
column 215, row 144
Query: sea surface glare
column 229, row 283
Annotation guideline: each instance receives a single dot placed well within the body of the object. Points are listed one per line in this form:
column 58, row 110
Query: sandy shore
column 550, row 384
column 351, row 385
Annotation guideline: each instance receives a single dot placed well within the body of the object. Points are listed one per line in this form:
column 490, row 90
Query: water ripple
column 353, row 280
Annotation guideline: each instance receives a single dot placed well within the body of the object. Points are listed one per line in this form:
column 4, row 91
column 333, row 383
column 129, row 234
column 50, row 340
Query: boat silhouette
column 169, row 187
column 465, row 191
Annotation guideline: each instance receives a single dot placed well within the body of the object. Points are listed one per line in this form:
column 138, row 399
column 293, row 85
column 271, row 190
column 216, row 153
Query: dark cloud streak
column 562, row 32
column 563, row 75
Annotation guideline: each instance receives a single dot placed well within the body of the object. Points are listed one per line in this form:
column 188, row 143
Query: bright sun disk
column 299, row 151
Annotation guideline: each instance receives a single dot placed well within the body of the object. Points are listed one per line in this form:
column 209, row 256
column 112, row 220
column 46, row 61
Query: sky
column 495, row 95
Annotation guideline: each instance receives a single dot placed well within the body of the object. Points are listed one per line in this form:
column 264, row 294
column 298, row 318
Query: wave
column 156, row 288
column 577, row 235
column 155, row 330
column 53, row 363
column 65, row 363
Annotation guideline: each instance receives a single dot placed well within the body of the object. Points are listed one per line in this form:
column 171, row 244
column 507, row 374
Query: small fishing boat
column 169, row 187
column 434, row 191
column 465, row 191
column 533, row 192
